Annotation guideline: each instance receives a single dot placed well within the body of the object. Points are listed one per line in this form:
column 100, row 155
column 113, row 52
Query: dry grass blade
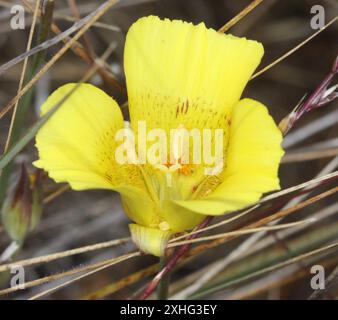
column 204, row 247
column 216, row 225
column 279, row 279
column 307, row 184
column 110, row 264
column 263, row 200
column 22, row 108
column 197, row 250
column 63, row 254
column 9, row 156
column 240, row 232
column 56, row 194
column 328, row 284
column 120, row 284
column 309, row 130
column 101, row 25
column 284, row 56
column 280, row 214
column 263, row 253
column 240, row 16
column 309, row 155
column 58, row 38
column 248, row 243
column 57, row 276
column 265, row 270
column 104, row 8
column 29, row 43
column 152, row 285
column 105, row 73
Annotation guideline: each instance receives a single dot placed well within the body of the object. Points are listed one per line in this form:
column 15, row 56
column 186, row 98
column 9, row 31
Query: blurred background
column 74, row 219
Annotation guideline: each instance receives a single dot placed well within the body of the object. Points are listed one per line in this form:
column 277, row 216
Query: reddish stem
column 313, row 101
column 171, row 263
column 317, row 99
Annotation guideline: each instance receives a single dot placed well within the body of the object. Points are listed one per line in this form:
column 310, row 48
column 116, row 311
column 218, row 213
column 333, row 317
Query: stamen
column 185, row 169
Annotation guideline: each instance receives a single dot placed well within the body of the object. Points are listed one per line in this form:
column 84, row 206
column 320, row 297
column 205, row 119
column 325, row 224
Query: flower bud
column 22, row 208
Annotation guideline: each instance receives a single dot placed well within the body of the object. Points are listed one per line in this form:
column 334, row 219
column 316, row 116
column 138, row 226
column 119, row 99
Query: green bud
column 22, row 208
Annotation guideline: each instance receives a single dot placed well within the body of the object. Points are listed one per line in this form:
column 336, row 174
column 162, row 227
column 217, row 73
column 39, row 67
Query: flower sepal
column 150, row 240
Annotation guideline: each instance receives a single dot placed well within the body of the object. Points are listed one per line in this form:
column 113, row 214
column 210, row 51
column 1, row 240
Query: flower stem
column 163, row 285
column 171, row 263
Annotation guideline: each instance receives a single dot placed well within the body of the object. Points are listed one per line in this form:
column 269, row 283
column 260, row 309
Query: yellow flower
column 178, row 76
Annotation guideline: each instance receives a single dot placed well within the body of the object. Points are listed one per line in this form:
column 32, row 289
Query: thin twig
column 252, row 259
column 60, row 275
column 111, row 288
column 275, row 216
column 22, row 107
column 63, row 254
column 29, row 44
column 309, row 130
column 100, row 25
column 287, row 54
column 171, row 263
column 76, row 13
column 6, row 158
column 321, row 215
column 105, row 73
column 309, row 155
column 128, row 280
column 305, row 185
column 278, row 279
column 268, row 269
column 58, row 38
column 98, row 13
column 117, row 260
column 240, row 16
column 241, row 232
column 56, row 193
column 250, row 241
column 318, row 98
column 215, row 225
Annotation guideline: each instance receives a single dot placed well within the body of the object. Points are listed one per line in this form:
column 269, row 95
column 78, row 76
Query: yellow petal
column 252, row 161
column 150, row 240
column 178, row 218
column 181, row 74
column 77, row 145
column 138, row 206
